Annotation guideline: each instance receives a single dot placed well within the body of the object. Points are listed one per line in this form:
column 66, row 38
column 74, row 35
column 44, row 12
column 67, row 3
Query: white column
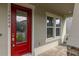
column 74, row 33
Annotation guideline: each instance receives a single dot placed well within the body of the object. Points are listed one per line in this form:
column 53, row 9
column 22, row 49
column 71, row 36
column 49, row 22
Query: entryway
column 21, row 30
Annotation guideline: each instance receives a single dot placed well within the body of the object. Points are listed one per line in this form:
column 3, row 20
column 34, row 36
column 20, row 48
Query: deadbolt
column 12, row 34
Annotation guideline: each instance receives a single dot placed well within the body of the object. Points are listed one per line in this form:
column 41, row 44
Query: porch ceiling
column 58, row 8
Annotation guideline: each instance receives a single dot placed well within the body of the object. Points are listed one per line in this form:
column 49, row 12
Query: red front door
column 21, row 30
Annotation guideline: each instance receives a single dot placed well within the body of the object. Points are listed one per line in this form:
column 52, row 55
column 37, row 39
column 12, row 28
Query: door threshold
column 28, row 54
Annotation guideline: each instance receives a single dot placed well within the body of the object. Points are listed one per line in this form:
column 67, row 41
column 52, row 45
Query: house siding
column 39, row 27
column 4, row 29
column 74, row 33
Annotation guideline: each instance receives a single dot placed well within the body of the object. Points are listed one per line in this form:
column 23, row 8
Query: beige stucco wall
column 39, row 27
column 4, row 29
column 40, row 31
column 68, row 24
column 74, row 33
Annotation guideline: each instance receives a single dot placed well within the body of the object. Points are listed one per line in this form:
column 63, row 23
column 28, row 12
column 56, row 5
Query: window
column 58, row 26
column 57, row 31
column 53, row 27
column 58, row 22
column 49, row 32
column 50, row 21
column 50, row 25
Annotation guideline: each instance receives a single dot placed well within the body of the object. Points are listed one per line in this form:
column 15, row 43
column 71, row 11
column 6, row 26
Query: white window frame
column 54, row 27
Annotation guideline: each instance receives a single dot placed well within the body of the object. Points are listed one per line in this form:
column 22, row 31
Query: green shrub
column 20, row 38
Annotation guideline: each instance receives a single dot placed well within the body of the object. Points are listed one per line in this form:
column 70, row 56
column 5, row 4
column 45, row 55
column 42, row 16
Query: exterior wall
column 74, row 33
column 40, row 31
column 4, row 29
column 39, row 27
column 68, row 24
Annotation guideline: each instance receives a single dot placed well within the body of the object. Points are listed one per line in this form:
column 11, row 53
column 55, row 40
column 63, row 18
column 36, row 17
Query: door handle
column 13, row 45
column 12, row 39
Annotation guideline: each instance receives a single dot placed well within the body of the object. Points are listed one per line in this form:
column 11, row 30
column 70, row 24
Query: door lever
column 13, row 45
column 13, row 39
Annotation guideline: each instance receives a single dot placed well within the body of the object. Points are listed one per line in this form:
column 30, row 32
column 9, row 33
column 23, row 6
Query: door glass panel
column 21, row 26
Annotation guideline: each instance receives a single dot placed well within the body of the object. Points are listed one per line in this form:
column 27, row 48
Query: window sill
column 53, row 39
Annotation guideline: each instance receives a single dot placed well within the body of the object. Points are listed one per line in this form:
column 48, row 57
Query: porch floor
column 57, row 51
